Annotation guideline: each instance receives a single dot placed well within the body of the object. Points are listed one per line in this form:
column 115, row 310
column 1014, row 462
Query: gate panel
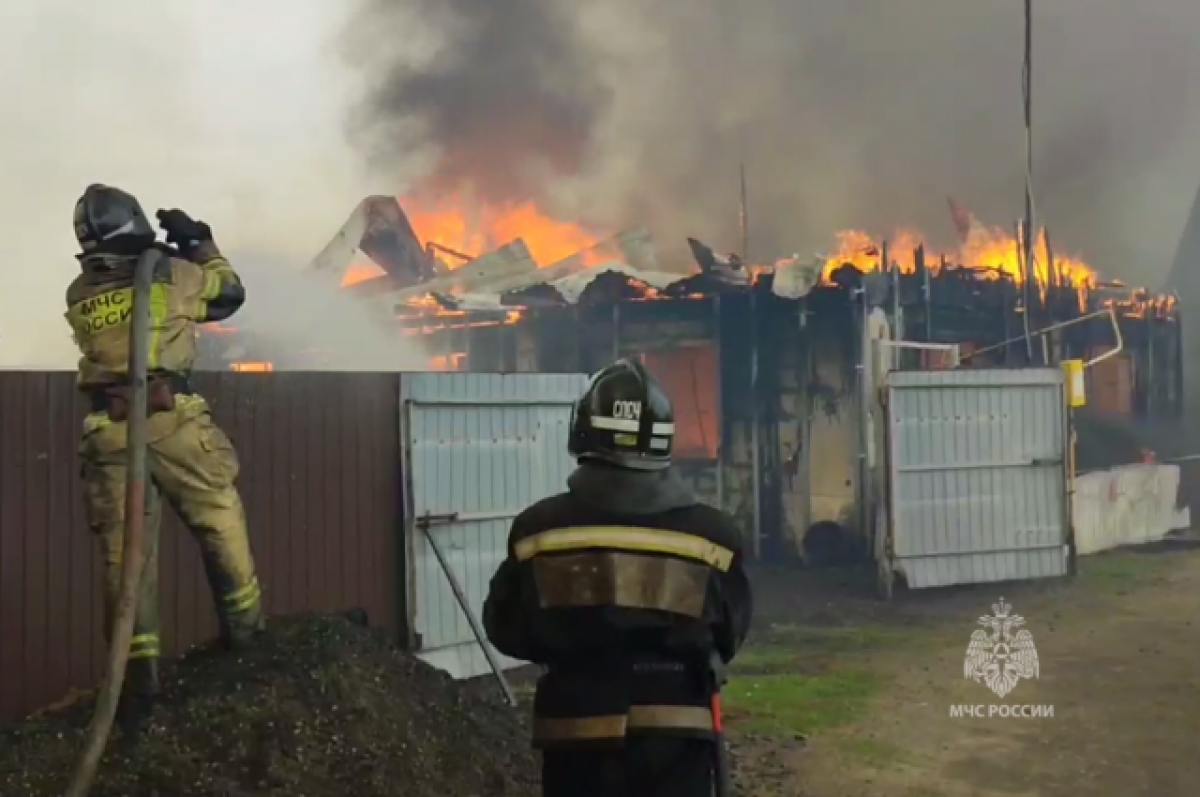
column 977, row 462
column 479, row 449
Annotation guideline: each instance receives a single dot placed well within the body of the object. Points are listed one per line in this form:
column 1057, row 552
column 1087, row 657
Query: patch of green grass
column 765, row 658
column 1122, row 569
column 786, row 704
column 788, row 649
column 840, row 639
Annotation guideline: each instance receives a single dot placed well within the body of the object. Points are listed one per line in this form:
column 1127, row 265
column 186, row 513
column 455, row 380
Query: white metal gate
column 977, row 476
column 478, row 449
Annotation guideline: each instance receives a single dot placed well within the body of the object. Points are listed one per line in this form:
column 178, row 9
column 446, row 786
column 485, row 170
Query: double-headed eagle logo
column 1002, row 658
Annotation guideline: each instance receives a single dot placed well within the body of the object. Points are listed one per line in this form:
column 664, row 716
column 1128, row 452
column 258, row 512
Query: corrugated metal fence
column 321, row 481
column 977, row 475
column 479, row 449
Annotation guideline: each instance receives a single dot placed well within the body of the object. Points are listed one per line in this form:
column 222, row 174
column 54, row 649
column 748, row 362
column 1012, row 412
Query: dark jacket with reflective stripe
column 623, row 587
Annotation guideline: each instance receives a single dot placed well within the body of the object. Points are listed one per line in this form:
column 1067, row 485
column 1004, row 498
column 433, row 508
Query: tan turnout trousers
column 193, row 465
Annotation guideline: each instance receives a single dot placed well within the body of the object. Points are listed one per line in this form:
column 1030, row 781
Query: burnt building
column 765, row 363
column 766, row 379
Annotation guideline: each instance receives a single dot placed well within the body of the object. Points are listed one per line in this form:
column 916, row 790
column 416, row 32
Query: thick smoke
column 504, row 115
column 318, row 327
column 234, row 111
column 846, row 115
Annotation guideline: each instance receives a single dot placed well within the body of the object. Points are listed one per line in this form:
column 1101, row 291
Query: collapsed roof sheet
column 624, row 266
column 377, row 232
column 569, row 289
column 495, row 287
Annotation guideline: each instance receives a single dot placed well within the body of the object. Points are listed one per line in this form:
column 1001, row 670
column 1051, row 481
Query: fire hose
column 134, row 548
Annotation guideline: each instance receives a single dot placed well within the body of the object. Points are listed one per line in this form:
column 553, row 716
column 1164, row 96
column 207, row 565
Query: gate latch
column 1041, row 462
column 428, row 520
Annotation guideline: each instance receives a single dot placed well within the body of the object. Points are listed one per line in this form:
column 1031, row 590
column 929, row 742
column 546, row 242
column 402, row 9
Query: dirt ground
column 840, row 695
column 318, row 707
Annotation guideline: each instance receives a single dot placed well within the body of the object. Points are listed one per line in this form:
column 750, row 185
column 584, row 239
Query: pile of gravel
column 319, row 708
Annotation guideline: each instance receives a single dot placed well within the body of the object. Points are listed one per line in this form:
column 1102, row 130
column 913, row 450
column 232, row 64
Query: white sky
column 231, row 109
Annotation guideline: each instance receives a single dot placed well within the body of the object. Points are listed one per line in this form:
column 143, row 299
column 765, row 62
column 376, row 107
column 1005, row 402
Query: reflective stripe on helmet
column 623, row 425
column 124, row 229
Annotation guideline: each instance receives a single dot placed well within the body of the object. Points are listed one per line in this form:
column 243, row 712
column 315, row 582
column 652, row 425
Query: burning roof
column 421, row 259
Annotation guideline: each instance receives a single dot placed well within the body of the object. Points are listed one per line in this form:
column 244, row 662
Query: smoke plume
column 233, row 111
column 846, row 115
column 505, row 116
column 317, row 328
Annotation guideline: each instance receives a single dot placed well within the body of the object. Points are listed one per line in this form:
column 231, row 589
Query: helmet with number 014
column 109, row 220
column 624, row 418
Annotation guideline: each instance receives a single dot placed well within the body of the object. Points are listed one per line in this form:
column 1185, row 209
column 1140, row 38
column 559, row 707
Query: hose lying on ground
column 134, row 548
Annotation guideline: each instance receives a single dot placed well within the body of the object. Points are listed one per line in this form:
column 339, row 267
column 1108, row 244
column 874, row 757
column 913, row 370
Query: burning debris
column 992, row 253
column 728, row 268
column 515, row 258
column 446, row 266
column 321, row 707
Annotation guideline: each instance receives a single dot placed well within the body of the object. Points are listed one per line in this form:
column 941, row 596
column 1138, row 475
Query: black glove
column 183, row 231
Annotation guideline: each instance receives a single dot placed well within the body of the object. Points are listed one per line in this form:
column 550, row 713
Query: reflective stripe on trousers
column 615, row 726
column 242, row 600
column 144, row 646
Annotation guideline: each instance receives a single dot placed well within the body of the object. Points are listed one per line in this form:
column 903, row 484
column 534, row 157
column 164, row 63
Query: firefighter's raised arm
column 221, row 293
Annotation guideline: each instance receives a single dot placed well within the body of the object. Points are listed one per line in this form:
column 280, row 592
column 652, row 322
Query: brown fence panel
column 321, row 482
column 49, row 610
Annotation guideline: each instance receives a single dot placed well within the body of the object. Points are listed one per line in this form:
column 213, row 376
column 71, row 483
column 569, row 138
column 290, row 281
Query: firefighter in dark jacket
column 626, row 589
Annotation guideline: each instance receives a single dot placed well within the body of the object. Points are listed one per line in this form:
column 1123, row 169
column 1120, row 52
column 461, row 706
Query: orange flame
column 252, row 368
column 448, row 362
column 476, row 230
column 994, row 252
column 361, row 271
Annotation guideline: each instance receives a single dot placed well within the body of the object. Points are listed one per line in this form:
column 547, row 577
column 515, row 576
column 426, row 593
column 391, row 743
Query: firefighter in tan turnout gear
column 632, row 594
column 190, row 460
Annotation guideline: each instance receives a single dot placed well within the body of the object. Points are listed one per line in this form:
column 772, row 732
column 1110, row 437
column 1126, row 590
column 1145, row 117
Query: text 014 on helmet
column 624, row 418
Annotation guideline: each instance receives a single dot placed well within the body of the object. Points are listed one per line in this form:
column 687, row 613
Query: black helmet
column 624, row 418
column 109, row 220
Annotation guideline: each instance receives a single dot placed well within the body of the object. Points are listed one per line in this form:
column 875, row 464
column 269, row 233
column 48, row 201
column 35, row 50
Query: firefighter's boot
column 138, row 697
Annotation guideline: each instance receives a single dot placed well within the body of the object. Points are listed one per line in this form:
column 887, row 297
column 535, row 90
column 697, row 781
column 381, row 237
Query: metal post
column 803, row 378
column 133, row 554
column 425, row 522
column 1030, row 226
column 744, row 217
column 926, row 291
column 897, row 323
column 755, row 464
column 718, row 343
column 863, row 490
column 1024, row 292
